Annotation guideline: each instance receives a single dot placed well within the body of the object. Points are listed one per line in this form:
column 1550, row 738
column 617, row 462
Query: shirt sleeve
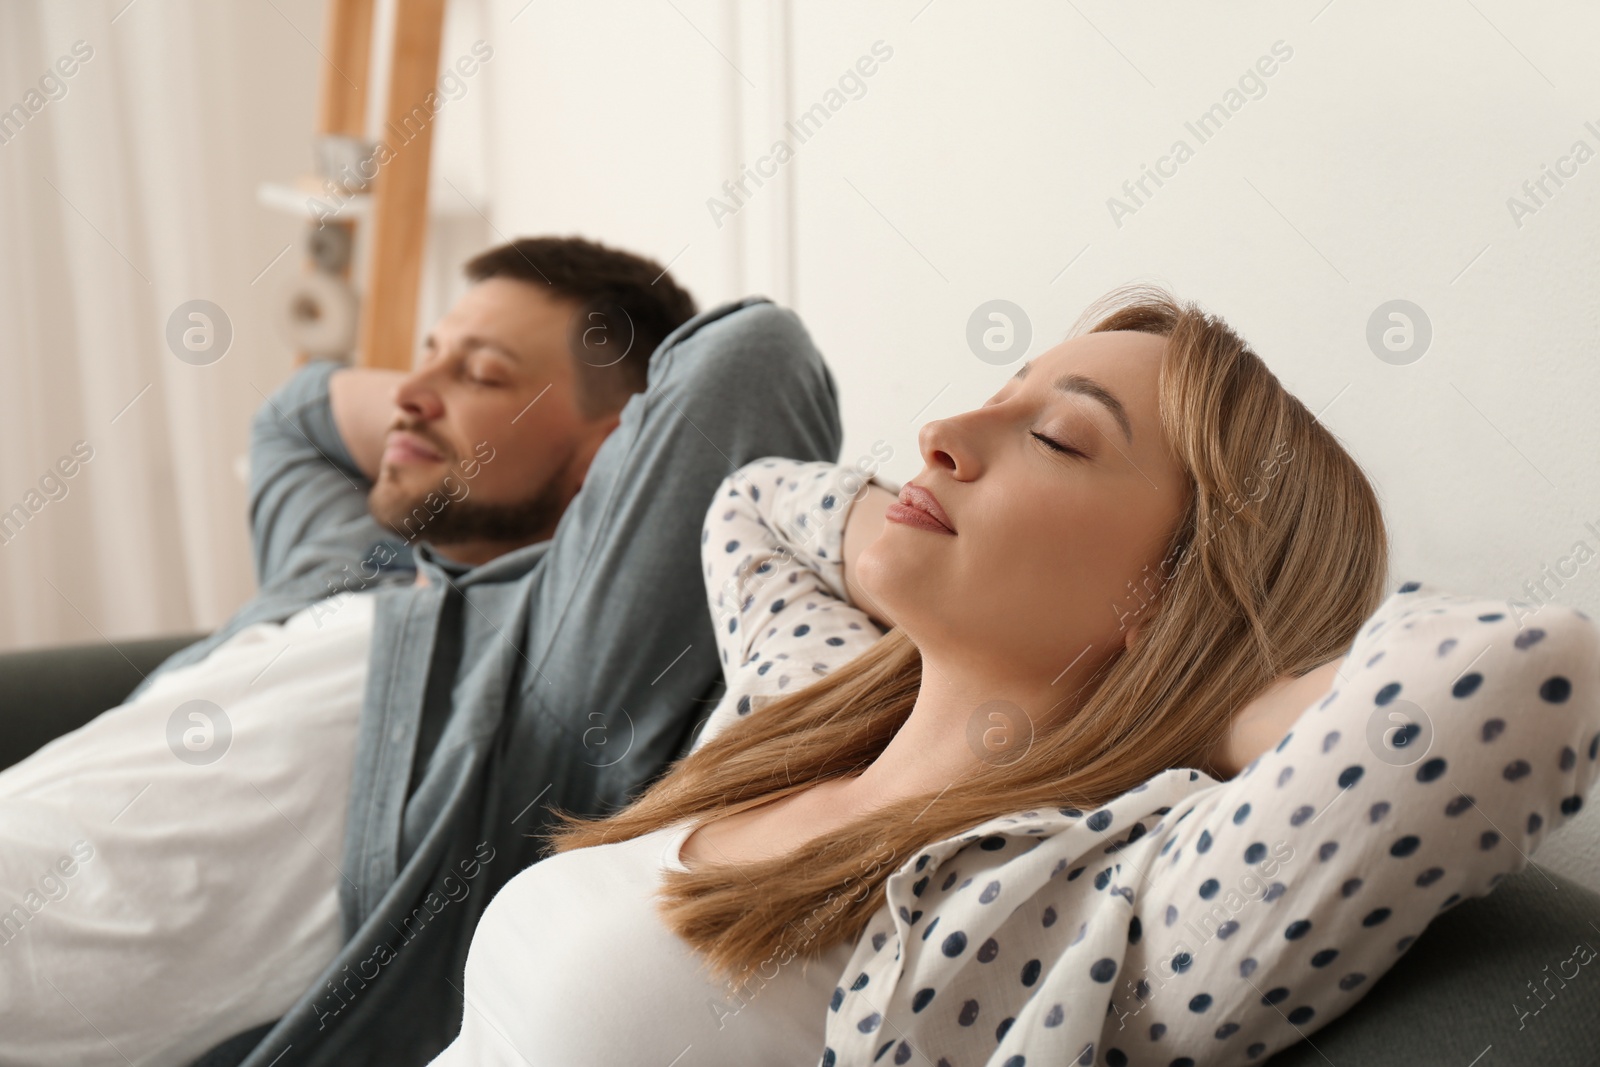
column 771, row 552
column 303, row 484
column 1458, row 734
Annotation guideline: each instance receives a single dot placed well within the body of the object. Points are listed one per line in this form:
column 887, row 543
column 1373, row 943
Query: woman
column 979, row 839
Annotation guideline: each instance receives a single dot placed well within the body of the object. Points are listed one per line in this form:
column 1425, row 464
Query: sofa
column 1493, row 981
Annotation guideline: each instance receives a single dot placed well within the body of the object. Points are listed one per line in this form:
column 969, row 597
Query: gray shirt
column 565, row 674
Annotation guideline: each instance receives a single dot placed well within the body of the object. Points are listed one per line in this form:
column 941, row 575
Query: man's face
column 487, row 445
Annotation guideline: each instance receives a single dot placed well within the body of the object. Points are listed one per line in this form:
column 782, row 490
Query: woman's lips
column 918, row 507
column 407, row 448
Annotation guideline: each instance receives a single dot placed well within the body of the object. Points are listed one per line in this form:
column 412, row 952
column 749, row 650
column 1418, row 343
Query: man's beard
column 466, row 519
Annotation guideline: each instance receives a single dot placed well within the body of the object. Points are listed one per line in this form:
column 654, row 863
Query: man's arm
column 362, row 400
column 619, row 626
column 304, row 483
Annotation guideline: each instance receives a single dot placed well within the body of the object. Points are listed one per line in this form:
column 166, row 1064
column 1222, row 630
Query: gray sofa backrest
column 1468, row 984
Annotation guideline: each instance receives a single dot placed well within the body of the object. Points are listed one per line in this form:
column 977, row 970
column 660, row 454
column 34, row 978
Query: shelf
column 296, row 198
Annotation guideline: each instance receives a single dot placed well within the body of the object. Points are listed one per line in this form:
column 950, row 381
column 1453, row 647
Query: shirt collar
column 505, row 567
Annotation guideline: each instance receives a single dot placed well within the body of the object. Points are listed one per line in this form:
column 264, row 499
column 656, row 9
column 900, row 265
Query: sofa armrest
column 47, row 692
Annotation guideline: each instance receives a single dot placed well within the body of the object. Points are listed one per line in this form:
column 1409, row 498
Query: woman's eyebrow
column 1077, row 383
column 1083, row 385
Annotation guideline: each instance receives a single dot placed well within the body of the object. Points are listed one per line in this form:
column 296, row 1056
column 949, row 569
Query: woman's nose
column 948, row 444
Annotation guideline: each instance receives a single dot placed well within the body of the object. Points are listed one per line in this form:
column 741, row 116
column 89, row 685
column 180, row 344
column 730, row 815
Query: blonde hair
column 1254, row 586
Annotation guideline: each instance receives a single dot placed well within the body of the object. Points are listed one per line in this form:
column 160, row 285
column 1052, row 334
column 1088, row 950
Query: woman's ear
column 1131, row 635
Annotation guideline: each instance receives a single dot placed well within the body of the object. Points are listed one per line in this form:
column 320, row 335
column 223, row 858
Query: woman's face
column 1035, row 573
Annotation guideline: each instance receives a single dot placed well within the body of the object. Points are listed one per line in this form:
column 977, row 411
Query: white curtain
column 126, row 189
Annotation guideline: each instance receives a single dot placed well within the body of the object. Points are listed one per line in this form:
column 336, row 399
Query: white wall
column 979, row 161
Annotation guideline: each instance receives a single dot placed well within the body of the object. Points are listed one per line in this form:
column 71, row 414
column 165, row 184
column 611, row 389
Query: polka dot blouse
column 1188, row 921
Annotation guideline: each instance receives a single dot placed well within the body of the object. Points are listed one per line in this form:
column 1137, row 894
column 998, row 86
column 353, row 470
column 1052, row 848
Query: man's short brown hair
column 627, row 305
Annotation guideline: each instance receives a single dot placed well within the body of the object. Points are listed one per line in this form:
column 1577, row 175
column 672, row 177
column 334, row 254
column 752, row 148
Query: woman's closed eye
column 1057, row 446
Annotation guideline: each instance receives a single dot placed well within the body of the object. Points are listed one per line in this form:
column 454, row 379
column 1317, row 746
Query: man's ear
column 601, row 426
column 594, row 434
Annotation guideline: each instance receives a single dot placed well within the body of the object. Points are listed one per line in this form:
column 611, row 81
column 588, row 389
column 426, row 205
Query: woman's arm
column 1262, row 723
column 1454, row 742
column 772, row 555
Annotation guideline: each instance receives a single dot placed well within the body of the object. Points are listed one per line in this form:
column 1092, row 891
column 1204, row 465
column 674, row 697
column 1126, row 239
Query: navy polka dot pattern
column 1241, row 914
column 775, row 581
column 1236, row 960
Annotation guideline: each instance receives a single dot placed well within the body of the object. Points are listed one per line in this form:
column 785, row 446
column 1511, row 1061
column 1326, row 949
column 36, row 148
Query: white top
column 1188, row 920
column 572, row 964
column 144, row 858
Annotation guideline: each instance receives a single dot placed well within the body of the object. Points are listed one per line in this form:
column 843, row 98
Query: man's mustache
column 416, row 430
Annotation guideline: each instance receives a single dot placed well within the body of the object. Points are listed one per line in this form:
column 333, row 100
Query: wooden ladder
column 397, row 223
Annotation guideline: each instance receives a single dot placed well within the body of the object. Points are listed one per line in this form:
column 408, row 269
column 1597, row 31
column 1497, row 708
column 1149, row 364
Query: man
column 480, row 600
